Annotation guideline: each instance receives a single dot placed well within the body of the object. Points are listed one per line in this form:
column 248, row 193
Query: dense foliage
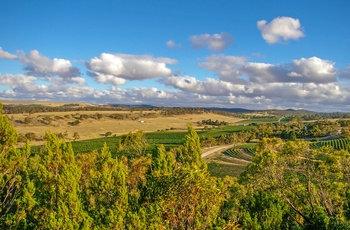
column 288, row 185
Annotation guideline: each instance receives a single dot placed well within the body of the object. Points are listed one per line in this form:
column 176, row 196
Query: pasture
column 90, row 128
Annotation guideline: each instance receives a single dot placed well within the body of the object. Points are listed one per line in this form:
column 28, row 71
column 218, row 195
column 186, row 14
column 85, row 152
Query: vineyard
column 243, row 152
column 342, row 143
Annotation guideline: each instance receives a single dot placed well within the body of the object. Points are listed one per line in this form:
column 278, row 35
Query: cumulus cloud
column 209, row 87
column 107, row 78
column 310, row 83
column 30, row 90
column 274, row 94
column 189, row 91
column 215, row 42
column 226, row 67
column 128, row 67
column 280, row 28
column 16, row 80
column 237, row 69
column 313, row 69
column 6, row 55
column 39, row 65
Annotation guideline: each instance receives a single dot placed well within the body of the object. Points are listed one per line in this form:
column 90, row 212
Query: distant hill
column 231, row 110
column 289, row 112
column 79, row 105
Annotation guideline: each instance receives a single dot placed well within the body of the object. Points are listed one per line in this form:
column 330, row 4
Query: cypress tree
column 56, row 177
column 192, row 152
column 16, row 189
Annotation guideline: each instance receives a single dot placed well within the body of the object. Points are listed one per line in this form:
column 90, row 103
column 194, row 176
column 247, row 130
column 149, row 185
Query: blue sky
column 247, row 54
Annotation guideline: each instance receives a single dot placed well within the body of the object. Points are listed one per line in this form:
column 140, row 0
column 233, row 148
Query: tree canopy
column 288, row 185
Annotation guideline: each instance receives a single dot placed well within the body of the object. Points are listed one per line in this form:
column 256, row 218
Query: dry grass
column 90, row 128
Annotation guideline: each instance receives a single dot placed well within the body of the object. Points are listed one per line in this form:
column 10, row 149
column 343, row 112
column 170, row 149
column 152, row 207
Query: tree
column 292, row 136
column 191, row 153
column 312, row 182
column 8, row 134
column 208, row 141
column 163, row 163
column 30, row 136
column 133, row 144
column 76, row 136
column 107, row 134
column 16, row 189
column 104, row 189
column 188, row 199
column 28, row 120
column 56, row 177
column 345, row 132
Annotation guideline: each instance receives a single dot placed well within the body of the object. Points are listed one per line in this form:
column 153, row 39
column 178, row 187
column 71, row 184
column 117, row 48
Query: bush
column 74, row 123
column 76, row 136
column 30, row 136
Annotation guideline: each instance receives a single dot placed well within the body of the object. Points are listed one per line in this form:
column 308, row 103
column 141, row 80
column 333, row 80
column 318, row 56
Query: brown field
column 90, row 128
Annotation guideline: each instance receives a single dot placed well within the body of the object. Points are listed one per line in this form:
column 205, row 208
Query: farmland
column 144, row 170
column 91, row 124
column 90, row 130
column 341, row 143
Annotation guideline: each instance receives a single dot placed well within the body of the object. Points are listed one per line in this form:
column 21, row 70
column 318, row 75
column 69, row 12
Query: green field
column 216, row 132
column 260, row 120
column 222, row 170
column 168, row 138
column 341, row 143
column 243, row 152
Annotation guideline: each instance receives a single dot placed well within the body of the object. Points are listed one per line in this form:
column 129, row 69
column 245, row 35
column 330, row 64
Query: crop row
column 342, row 143
column 240, row 153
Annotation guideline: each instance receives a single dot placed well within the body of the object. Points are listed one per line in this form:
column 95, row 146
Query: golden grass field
column 90, row 128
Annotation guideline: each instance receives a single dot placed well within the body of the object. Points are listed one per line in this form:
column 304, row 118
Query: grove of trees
column 288, row 185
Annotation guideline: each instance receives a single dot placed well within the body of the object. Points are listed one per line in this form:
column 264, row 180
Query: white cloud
column 16, row 80
column 170, row 43
column 313, row 69
column 79, row 80
column 190, row 91
column 129, row 67
column 173, row 44
column 215, row 42
column 274, row 94
column 226, row 67
column 6, row 55
column 302, row 83
column 209, row 87
column 39, row 65
column 107, row 78
column 236, row 69
column 280, row 28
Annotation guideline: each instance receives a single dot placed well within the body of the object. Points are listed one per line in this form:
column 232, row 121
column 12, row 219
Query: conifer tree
column 8, row 134
column 16, row 189
column 133, row 144
column 163, row 162
column 105, row 193
column 190, row 199
column 56, row 178
column 191, row 153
